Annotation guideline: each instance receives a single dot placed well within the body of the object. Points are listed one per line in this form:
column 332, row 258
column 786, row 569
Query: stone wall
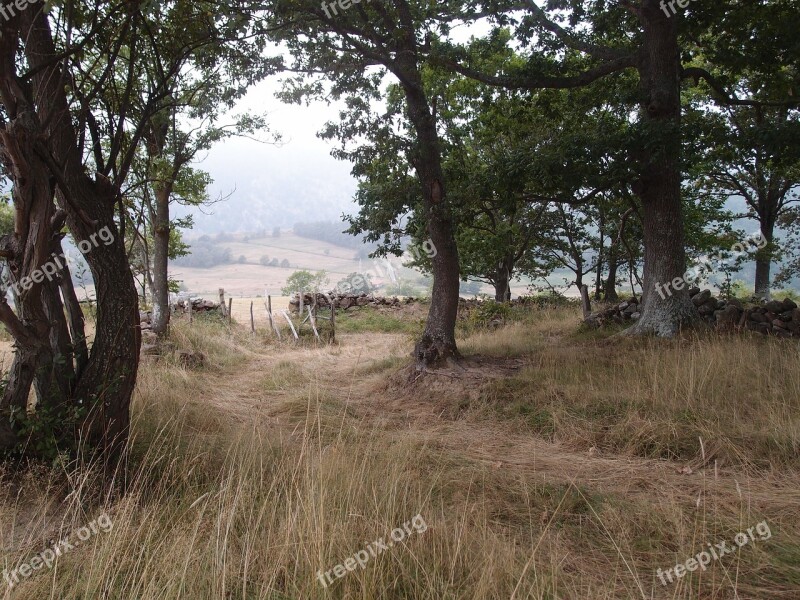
column 345, row 301
column 776, row 317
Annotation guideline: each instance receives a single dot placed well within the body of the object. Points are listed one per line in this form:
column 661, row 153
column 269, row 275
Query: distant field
column 251, row 278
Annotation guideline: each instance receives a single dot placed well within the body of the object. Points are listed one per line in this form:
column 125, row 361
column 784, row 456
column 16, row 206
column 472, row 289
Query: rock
column 778, row 324
column 736, row 302
column 757, row 316
column 785, row 316
column 774, row 306
column 693, row 291
column 701, row 298
column 635, row 316
column 345, row 303
column 758, row 327
column 706, row 309
column 362, row 301
column 789, row 304
column 624, row 305
column 727, row 318
column 632, row 308
column 191, row 360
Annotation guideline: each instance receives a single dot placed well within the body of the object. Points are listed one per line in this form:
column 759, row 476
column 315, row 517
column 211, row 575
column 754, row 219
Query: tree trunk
column 104, row 389
column 659, row 184
column 598, row 284
column 43, row 355
column 502, row 280
column 161, row 260
column 610, row 283
column 438, row 342
column 764, row 261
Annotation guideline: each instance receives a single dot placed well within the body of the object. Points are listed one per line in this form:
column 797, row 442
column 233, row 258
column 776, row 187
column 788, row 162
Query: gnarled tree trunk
column 88, row 397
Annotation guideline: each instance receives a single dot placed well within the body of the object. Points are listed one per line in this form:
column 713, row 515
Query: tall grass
column 221, row 503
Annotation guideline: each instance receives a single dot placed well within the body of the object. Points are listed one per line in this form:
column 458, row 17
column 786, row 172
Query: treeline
column 204, row 255
column 333, row 233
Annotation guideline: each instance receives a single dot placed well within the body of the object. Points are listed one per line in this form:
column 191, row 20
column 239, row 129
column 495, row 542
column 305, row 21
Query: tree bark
column 659, row 184
column 764, row 261
column 104, row 389
column 502, row 280
column 160, row 280
column 438, row 342
column 610, row 282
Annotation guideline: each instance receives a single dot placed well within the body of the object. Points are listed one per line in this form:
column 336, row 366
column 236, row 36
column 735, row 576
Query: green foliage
column 368, row 319
column 488, row 311
column 6, row 218
column 304, row 281
column 791, row 294
column 404, row 287
column 356, row 283
column 204, row 255
column 549, row 299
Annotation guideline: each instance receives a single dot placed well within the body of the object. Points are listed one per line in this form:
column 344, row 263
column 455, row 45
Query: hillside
column 252, row 278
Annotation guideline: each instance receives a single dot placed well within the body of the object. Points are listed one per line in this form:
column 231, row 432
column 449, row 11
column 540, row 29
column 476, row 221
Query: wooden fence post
column 313, row 322
column 222, row 301
column 252, row 320
column 289, row 320
column 272, row 324
column 230, row 310
column 333, row 320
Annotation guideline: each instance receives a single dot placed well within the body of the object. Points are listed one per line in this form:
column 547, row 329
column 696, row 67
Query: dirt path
column 416, row 410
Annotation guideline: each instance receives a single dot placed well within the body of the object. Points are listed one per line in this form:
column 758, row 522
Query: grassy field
column 550, row 464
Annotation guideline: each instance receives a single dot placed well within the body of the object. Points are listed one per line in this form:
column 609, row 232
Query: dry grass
column 274, row 462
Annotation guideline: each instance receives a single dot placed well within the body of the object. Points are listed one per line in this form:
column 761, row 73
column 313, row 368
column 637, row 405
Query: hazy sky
column 298, row 181
column 276, row 185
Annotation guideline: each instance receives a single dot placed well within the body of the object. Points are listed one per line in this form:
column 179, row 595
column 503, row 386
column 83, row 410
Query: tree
column 594, row 48
column 189, row 74
column 73, row 124
column 356, row 283
column 356, row 49
column 304, row 281
column 82, row 397
column 752, row 152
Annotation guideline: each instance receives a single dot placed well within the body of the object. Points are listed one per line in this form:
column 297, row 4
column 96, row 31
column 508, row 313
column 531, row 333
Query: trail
column 343, row 371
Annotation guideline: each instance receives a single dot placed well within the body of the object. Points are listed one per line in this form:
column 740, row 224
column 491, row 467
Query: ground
column 548, row 464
